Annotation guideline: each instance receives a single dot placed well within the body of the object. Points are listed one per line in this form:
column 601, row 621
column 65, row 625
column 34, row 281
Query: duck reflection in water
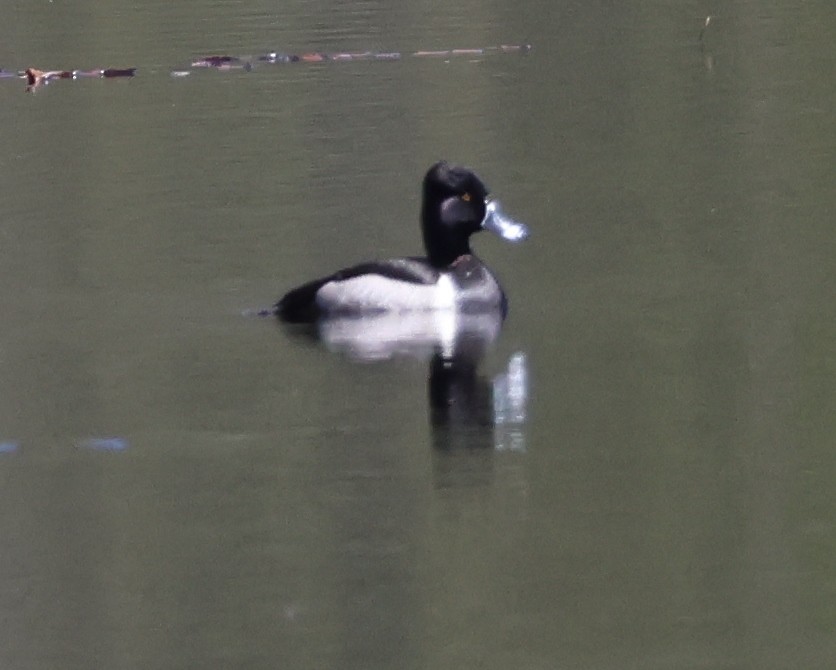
column 467, row 409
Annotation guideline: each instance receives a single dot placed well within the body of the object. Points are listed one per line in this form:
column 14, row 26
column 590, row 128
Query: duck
column 456, row 204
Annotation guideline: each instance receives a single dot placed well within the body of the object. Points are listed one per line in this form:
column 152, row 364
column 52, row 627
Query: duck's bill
column 503, row 225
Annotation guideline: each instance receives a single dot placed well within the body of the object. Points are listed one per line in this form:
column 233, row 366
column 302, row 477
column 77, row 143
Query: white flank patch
column 445, row 297
column 373, row 292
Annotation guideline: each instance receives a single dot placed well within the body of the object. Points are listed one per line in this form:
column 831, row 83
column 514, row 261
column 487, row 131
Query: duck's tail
column 260, row 313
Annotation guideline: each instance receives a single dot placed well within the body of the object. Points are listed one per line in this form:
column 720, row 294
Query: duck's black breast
column 369, row 287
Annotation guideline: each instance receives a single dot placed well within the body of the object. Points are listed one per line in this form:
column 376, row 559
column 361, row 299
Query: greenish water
column 184, row 485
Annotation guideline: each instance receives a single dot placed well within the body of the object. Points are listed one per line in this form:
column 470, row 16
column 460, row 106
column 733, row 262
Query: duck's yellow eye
column 466, row 197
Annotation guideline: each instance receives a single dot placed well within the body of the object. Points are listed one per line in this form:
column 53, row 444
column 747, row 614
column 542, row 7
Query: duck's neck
column 443, row 257
column 443, row 245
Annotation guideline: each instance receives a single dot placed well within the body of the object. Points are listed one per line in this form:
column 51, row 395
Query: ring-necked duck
column 455, row 205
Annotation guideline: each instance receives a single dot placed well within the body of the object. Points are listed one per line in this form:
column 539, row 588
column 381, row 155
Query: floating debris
column 220, row 62
column 226, row 62
column 36, row 78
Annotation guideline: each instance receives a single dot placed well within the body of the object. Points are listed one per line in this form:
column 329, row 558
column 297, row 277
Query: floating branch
column 36, row 78
column 224, row 62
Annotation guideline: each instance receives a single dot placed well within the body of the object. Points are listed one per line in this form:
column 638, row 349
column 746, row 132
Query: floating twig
column 36, row 78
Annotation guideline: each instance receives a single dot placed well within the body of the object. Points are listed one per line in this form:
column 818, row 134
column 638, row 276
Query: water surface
column 184, row 485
